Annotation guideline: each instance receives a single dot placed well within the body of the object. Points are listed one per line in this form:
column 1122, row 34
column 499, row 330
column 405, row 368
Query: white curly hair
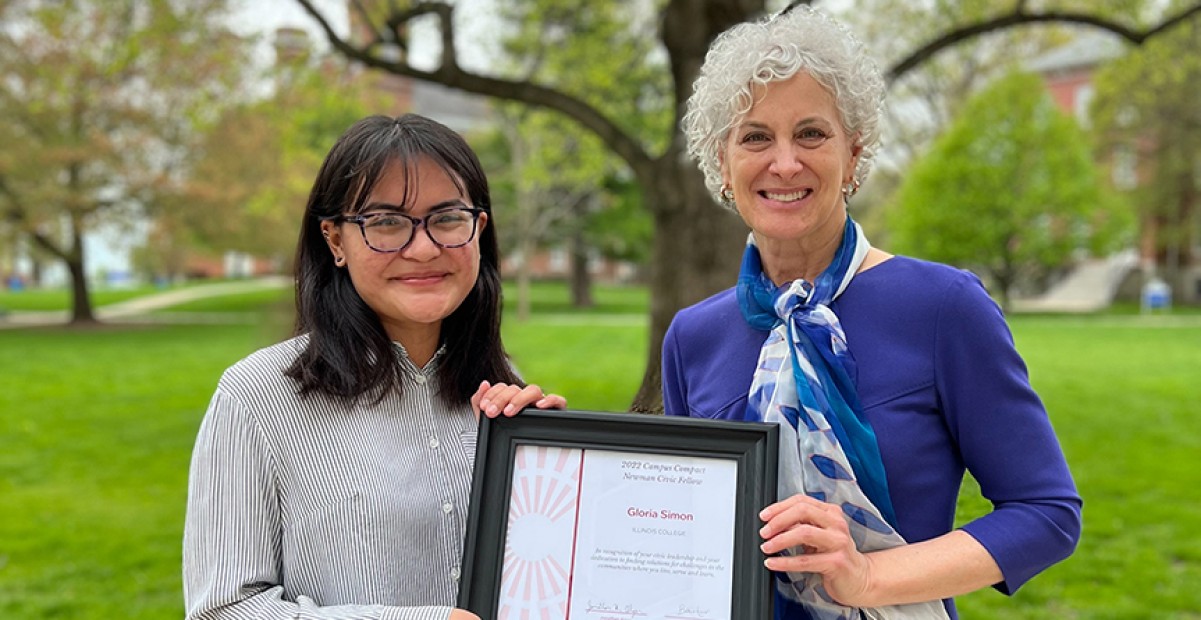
column 772, row 49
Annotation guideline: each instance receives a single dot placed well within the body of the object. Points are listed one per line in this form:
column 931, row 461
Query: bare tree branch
column 452, row 75
column 1019, row 16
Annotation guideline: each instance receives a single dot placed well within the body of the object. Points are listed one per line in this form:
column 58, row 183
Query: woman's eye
column 754, row 137
column 812, row 137
column 387, row 220
column 449, row 217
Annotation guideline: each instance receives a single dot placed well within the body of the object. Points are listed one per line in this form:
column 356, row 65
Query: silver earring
column 726, row 194
column 850, row 189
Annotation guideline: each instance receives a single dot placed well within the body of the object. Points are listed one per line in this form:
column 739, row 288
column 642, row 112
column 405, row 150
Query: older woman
column 331, row 473
column 889, row 376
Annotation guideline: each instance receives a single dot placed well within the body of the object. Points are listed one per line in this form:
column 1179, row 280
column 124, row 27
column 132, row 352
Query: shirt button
column 433, row 442
column 454, row 573
column 447, row 507
column 420, row 379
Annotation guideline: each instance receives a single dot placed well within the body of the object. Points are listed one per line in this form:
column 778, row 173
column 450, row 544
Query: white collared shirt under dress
column 305, row 508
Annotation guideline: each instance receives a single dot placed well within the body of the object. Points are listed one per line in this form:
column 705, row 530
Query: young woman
column 331, row 474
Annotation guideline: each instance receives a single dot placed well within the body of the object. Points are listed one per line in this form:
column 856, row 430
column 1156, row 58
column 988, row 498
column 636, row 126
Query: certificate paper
column 597, row 534
column 594, row 515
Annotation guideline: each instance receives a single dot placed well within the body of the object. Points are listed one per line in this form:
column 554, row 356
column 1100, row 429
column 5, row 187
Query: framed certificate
column 585, row 515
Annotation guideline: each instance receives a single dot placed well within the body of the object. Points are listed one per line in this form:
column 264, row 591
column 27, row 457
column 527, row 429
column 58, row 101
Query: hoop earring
column 850, row 189
column 726, row 194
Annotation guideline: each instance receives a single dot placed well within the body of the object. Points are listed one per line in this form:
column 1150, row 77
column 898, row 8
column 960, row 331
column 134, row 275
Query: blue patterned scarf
column 805, row 382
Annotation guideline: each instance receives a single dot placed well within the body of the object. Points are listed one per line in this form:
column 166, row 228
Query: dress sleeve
column 232, row 566
column 675, row 401
column 1005, row 437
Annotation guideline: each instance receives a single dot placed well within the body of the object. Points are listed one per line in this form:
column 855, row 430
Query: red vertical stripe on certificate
column 575, row 534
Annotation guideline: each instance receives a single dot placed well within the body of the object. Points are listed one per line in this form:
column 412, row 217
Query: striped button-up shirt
column 308, row 508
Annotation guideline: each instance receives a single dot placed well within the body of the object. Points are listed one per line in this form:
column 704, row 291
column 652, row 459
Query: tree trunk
column 1004, row 296
column 695, row 253
column 526, row 235
column 35, row 270
column 81, row 301
column 578, row 260
column 525, row 252
column 580, row 275
column 1185, row 220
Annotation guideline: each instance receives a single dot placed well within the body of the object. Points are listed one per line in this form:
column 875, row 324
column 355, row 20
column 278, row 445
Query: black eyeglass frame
column 418, row 222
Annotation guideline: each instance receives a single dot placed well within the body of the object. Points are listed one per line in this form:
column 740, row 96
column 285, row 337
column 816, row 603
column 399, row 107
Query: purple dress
column 944, row 389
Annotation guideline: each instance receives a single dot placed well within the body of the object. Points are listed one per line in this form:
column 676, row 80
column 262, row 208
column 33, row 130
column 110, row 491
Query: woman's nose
column 786, row 160
column 422, row 247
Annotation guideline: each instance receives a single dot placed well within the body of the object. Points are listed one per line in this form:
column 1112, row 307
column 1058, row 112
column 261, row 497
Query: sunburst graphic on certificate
column 539, row 542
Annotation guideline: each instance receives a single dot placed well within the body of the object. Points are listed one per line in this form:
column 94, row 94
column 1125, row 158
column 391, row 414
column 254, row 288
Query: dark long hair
column 348, row 354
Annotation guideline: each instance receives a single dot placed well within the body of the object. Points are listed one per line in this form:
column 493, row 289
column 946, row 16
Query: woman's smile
column 785, row 196
column 421, row 279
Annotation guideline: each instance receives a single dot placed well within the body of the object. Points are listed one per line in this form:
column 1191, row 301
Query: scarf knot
column 796, row 296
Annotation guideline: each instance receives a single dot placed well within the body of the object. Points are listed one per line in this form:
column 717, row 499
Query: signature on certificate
column 687, row 612
column 617, row 609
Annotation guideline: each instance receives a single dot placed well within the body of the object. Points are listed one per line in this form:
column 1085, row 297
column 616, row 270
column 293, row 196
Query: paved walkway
column 140, row 308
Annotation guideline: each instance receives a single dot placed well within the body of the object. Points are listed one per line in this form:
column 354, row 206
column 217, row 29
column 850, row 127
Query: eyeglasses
column 390, row 231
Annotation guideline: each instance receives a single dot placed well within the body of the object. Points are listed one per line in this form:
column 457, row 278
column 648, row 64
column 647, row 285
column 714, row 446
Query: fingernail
column 508, row 409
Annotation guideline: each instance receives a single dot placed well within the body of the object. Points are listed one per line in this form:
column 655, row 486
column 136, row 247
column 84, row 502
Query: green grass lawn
column 96, row 429
column 1123, row 392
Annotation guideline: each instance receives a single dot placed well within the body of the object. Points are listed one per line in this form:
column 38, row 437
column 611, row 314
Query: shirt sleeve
column 1005, row 437
column 232, row 566
column 675, row 401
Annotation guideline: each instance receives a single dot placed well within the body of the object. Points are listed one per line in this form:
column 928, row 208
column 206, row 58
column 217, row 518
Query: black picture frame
column 753, row 445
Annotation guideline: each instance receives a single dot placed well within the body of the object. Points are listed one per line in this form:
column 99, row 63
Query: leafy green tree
column 100, row 102
column 1148, row 121
column 555, row 179
column 925, row 100
column 622, row 230
column 696, row 247
column 249, row 176
column 1010, row 190
column 563, row 174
